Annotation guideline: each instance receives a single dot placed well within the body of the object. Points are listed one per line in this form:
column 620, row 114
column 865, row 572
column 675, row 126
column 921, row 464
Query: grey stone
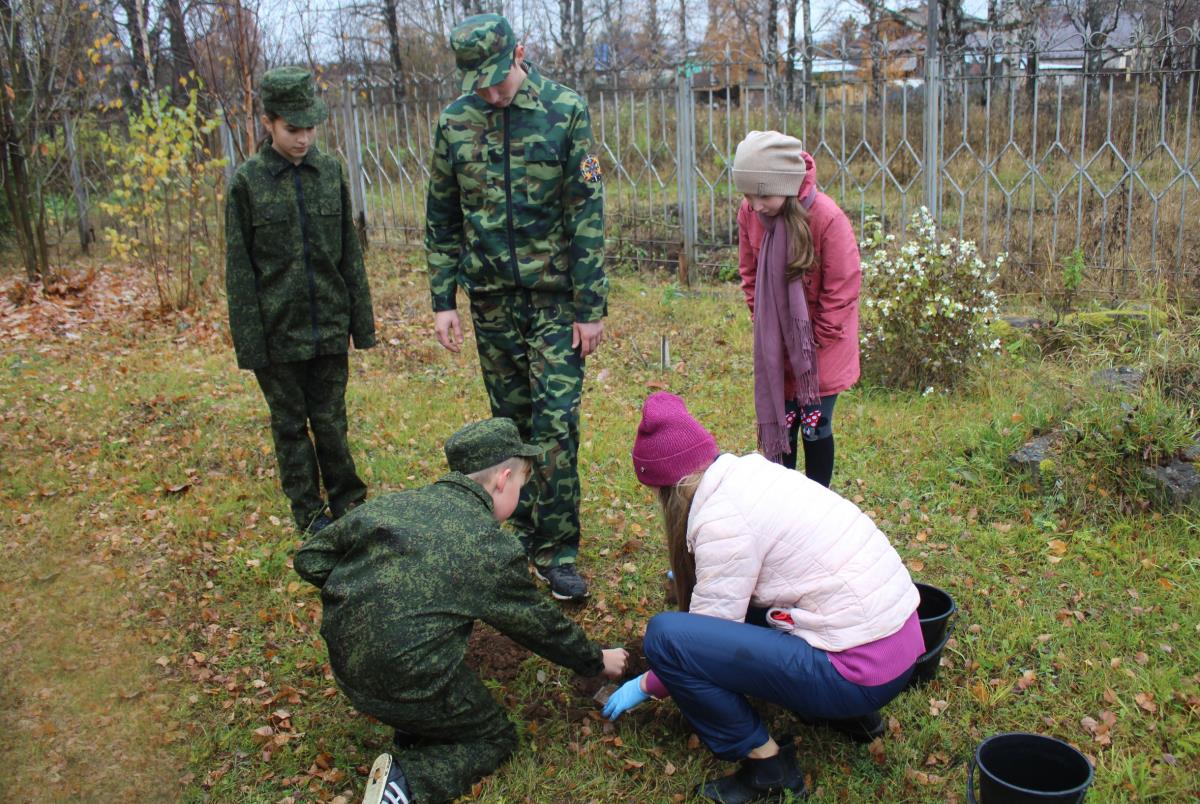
column 1192, row 454
column 1029, row 457
column 1119, row 378
column 1035, row 450
column 1023, row 322
column 1178, row 482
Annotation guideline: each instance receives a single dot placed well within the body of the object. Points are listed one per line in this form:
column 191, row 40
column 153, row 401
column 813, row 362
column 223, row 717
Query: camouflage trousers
column 303, row 397
column 448, row 742
column 535, row 378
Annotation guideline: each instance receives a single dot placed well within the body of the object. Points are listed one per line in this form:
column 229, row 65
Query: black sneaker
column 319, row 523
column 759, row 780
column 386, row 784
column 564, row 580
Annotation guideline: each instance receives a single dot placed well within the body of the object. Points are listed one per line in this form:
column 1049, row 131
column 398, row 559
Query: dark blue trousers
column 710, row 665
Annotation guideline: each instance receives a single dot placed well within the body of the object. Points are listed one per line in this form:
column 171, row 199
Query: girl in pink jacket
column 801, row 274
column 787, row 592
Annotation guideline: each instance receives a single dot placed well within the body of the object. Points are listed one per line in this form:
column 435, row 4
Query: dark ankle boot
column 818, row 460
column 758, row 780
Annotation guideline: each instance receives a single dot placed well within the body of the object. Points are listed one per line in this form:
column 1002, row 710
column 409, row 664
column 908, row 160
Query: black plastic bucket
column 927, row 664
column 1020, row 768
column 934, row 612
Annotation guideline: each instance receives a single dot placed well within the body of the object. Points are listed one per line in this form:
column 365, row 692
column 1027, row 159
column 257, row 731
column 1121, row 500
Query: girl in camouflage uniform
column 298, row 294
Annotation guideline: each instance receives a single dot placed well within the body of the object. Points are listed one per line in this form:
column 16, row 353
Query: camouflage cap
column 483, row 50
column 487, row 443
column 291, row 93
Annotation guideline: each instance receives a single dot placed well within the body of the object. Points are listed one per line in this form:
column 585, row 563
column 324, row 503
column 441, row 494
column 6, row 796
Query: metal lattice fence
column 1022, row 155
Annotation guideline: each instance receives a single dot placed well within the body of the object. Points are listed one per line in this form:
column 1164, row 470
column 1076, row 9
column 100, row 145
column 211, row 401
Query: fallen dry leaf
column 1146, row 701
column 979, row 692
column 922, row 778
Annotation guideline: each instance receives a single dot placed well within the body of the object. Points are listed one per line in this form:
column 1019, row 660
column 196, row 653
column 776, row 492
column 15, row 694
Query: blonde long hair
column 801, row 256
column 676, row 503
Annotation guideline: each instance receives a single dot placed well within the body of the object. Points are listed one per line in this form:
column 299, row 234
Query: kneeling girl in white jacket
column 787, row 592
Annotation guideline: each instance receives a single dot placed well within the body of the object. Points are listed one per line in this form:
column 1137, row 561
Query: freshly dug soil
column 495, row 656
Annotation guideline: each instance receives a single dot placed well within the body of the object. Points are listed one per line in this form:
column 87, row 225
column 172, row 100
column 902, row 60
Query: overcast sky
column 530, row 18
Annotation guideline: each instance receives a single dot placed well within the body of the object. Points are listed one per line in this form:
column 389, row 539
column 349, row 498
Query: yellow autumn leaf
column 979, row 692
column 1057, row 546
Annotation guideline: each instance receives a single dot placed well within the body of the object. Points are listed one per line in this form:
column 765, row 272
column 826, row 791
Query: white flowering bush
column 927, row 306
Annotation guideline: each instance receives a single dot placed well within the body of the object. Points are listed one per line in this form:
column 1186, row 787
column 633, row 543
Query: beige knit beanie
column 768, row 163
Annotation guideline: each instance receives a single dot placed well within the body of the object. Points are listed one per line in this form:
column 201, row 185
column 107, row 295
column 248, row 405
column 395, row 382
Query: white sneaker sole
column 554, row 594
column 378, row 790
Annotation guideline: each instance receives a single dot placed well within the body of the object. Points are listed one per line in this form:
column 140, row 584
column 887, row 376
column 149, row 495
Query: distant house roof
column 1060, row 43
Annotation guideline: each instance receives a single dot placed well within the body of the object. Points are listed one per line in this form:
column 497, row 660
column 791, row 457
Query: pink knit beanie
column 670, row 444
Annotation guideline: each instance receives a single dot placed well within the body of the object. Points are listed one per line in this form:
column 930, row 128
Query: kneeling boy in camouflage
column 403, row 578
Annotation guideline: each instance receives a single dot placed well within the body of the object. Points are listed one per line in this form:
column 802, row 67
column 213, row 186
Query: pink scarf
column 781, row 332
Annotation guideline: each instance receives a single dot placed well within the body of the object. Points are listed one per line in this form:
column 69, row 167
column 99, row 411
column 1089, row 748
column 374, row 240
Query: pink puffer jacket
column 831, row 287
column 765, row 536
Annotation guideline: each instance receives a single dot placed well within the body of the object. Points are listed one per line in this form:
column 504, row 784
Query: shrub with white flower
column 926, row 306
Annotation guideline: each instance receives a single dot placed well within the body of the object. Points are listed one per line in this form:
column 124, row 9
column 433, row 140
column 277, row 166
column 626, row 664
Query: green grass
column 153, row 623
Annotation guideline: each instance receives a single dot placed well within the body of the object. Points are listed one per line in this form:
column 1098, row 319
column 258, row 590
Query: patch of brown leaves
column 67, row 304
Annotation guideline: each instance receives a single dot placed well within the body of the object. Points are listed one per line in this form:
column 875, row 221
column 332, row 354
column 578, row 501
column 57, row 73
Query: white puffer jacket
column 765, row 536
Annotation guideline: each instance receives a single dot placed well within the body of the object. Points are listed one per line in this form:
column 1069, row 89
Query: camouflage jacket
column 403, row 578
column 294, row 272
column 515, row 200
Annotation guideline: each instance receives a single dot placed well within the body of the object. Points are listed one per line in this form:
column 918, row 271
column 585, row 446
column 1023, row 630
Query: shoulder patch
column 589, row 168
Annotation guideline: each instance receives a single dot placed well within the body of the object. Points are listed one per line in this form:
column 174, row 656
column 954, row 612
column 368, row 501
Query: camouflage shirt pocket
column 270, row 218
column 275, row 236
column 543, row 172
column 471, row 169
column 326, row 219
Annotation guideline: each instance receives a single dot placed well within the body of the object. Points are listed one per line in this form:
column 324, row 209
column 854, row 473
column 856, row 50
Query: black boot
column 818, row 460
column 759, row 780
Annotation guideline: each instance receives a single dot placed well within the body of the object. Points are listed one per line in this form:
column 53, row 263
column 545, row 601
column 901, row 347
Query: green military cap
column 487, row 443
column 291, row 93
column 483, row 50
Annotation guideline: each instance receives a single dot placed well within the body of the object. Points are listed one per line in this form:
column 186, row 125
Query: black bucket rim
column 920, row 675
column 1079, row 788
column 929, row 654
column 949, row 597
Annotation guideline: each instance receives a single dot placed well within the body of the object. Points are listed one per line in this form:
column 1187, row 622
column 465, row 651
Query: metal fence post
column 358, row 190
column 932, row 121
column 685, row 174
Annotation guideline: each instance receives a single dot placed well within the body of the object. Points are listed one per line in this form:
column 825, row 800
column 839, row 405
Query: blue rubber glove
column 625, row 698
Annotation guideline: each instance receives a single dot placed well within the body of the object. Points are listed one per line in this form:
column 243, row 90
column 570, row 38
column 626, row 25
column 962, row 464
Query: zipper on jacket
column 508, row 198
column 308, row 268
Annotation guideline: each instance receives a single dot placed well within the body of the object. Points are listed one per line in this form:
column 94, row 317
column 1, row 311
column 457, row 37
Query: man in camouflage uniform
column 403, row 579
column 514, row 214
column 298, row 293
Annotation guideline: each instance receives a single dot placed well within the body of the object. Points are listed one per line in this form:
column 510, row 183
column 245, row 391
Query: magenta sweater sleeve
column 655, row 687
